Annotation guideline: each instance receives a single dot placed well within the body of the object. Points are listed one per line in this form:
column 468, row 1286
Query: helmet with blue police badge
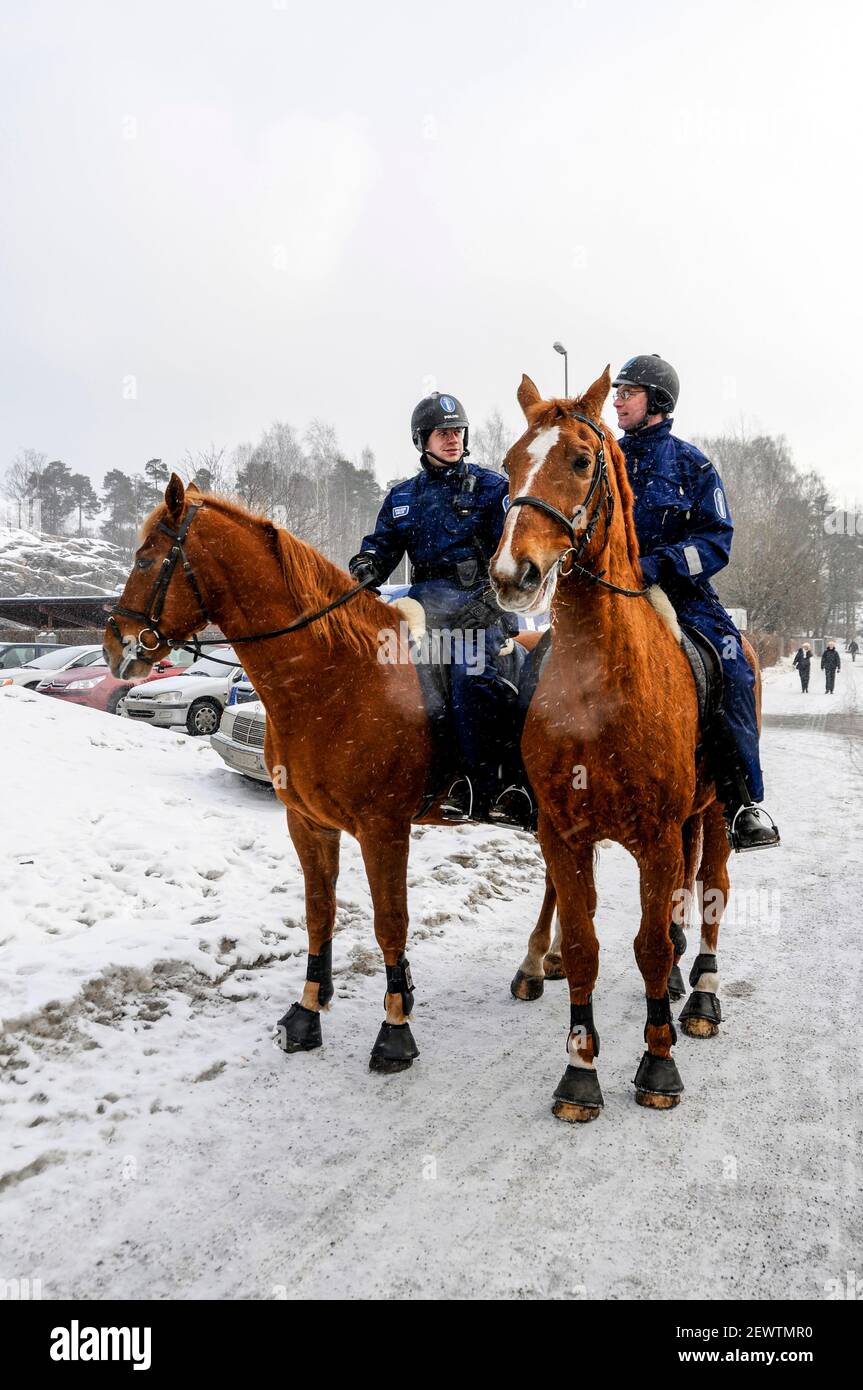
column 437, row 412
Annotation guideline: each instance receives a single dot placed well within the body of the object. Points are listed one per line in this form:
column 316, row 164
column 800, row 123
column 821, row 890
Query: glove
column 362, row 567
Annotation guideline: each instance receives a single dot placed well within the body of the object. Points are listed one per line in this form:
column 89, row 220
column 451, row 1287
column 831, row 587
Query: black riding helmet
column 437, row 412
column 658, row 376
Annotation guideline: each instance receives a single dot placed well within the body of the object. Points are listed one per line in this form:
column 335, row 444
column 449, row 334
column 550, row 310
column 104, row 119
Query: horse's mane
column 547, row 413
column 310, row 579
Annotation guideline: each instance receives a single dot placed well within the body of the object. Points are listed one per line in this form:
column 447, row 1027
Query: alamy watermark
column 434, row 647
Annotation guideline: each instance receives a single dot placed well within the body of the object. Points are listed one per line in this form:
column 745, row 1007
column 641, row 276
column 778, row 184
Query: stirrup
column 452, row 811
column 770, row 826
column 520, row 816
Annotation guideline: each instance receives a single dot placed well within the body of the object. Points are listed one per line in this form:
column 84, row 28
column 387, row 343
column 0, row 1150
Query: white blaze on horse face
column 539, row 450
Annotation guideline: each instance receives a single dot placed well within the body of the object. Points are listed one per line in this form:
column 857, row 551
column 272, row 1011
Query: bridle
column 600, row 488
column 152, row 613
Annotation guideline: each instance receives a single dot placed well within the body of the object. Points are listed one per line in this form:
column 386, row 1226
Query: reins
column 156, row 602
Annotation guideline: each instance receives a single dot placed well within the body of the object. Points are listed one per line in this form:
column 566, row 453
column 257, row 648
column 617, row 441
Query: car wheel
column 113, row 705
column 204, row 717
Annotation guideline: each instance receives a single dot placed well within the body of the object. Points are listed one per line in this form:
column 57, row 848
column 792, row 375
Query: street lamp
column 558, row 347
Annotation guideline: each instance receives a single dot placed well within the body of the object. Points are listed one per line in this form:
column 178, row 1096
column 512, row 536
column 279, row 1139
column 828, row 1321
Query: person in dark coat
column 803, row 662
column 684, row 530
column 830, row 664
column 448, row 518
column 853, row 648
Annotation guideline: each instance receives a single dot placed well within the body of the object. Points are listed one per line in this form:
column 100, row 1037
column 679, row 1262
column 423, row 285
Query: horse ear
column 174, row 496
column 528, row 395
column 595, row 396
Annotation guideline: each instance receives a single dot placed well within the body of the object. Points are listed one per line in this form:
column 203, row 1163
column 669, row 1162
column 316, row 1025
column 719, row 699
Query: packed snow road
column 155, row 1143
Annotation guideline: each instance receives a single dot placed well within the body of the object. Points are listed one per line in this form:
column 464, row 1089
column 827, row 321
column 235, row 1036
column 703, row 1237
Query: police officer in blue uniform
column 448, row 518
column 684, row 532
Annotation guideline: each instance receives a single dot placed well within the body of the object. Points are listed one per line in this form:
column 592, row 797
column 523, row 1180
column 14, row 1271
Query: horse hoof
column 655, row 1100
column 552, row 968
column 526, row 986
column 394, row 1048
column 575, row 1114
column 699, row 1027
column 676, row 987
column 657, row 1082
column 701, row 1015
column 299, row 1030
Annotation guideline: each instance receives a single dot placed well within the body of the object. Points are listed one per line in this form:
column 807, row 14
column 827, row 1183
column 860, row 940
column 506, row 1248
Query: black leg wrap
column 700, row 1004
column 394, row 1048
column 678, row 939
column 400, row 981
column 676, row 987
column 704, row 965
column 581, row 1021
column 659, row 1012
column 319, row 971
column 658, row 1076
column 580, row 1086
column 299, row 1030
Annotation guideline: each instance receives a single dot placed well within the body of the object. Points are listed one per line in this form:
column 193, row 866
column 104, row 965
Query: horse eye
column 143, row 564
column 582, row 461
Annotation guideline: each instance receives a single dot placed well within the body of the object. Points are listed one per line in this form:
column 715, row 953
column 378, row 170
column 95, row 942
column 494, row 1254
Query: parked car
column 239, row 740
column 195, row 699
column 19, row 653
column 95, row 687
column 60, row 659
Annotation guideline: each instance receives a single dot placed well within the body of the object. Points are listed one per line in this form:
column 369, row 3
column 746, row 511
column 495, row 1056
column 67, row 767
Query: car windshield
column 208, row 667
column 63, row 656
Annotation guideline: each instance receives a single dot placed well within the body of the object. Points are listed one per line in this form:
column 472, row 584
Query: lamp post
column 558, row 347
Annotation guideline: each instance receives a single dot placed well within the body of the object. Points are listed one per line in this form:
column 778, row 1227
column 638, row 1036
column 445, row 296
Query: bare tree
column 491, row 441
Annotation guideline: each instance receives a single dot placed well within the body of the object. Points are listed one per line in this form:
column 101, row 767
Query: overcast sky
column 217, row 213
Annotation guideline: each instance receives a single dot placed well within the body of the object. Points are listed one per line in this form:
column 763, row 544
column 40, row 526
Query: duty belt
column 466, row 573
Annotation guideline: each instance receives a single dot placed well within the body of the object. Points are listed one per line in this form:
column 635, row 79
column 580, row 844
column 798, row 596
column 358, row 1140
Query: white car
column 195, row 700
column 240, row 739
column 60, row 659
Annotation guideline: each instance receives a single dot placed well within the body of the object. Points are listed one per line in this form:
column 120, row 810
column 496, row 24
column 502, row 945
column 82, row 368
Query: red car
column 96, row 687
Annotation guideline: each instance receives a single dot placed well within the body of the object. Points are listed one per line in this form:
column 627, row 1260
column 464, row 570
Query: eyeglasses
column 628, row 392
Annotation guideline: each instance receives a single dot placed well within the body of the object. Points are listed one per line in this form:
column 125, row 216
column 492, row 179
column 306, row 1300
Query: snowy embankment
column 156, row 1144
column 31, row 564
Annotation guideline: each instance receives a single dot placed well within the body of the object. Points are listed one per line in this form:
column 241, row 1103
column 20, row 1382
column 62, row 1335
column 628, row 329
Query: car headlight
column 7, row 681
column 165, row 699
column 86, row 685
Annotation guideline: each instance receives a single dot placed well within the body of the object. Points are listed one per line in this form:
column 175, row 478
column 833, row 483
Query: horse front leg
column 701, row 1015
column 542, row 961
column 318, row 849
column 385, row 854
column 692, row 842
column 578, row 1097
column 657, row 1081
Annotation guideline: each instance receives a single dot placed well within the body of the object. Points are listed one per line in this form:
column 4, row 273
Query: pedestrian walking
column 803, row 662
column 830, row 664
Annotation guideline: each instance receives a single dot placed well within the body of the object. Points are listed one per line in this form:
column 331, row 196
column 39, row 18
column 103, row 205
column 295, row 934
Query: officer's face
column 630, row 402
column 446, row 446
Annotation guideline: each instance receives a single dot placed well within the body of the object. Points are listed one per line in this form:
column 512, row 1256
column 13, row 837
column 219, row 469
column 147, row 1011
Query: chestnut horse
column 347, row 739
column 611, row 736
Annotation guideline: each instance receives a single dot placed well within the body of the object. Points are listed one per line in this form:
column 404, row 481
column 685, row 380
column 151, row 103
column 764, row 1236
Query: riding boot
column 514, row 807
column 457, row 806
column 750, row 827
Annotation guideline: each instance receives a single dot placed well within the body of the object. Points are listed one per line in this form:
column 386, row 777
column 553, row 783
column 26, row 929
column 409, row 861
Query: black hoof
column 676, row 987
column 657, row 1082
column 394, row 1048
column 580, row 1086
column 299, row 1030
column 526, row 986
column 700, row 1004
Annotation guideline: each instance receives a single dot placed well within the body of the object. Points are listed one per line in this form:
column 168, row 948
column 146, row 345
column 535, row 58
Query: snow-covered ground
column 154, row 1142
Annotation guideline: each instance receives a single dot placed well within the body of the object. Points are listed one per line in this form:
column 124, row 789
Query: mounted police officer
column 448, row 518
column 684, row 532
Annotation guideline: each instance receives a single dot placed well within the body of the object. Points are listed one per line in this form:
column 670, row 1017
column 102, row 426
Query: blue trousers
column 739, row 698
column 485, row 710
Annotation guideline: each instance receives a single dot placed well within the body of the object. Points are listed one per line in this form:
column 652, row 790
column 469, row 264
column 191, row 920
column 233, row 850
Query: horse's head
column 564, row 485
column 162, row 601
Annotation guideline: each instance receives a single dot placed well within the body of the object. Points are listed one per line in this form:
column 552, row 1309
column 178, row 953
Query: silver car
column 240, row 740
column 194, row 700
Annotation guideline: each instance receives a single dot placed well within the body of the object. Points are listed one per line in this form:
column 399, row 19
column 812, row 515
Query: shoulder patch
column 401, row 511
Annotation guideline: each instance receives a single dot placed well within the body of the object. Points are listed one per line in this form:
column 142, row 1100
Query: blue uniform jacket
column 682, row 517
column 418, row 517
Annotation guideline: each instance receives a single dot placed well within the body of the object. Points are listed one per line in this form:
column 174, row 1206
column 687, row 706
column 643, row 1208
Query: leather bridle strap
column 577, row 547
